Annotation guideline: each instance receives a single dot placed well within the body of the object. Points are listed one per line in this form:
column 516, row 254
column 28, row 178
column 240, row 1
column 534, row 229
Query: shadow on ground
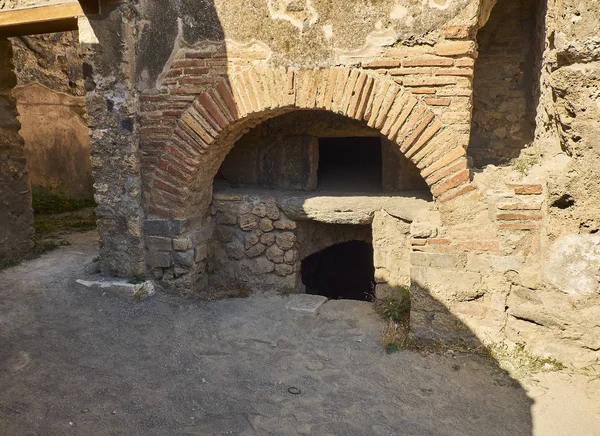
column 75, row 362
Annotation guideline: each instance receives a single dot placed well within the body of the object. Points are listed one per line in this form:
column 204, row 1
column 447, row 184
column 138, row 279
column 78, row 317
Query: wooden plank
column 40, row 19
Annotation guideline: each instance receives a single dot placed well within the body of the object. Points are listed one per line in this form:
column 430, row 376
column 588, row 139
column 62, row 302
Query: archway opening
column 318, row 151
column 348, row 164
column 341, row 271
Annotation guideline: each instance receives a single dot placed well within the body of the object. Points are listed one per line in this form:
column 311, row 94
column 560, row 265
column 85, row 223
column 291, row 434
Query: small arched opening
column 343, row 271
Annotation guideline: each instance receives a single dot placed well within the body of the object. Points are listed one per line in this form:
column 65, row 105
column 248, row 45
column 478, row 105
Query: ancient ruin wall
column 16, row 215
column 51, row 103
column 478, row 259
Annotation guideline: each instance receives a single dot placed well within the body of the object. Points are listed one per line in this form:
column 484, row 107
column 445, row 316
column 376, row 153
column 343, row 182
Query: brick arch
column 178, row 179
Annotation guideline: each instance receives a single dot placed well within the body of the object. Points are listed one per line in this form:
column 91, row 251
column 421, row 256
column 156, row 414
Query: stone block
column 157, row 227
column 267, row 239
column 224, row 233
column 275, row 254
column 251, row 239
column 257, row 266
column 260, row 210
column 227, row 218
column 419, row 259
column 290, row 256
column 255, row 250
column 285, row 240
column 305, row 303
column 158, row 243
column 182, row 244
column 437, row 260
column 284, row 224
column 201, row 252
column 121, row 288
column 423, row 230
column 248, row 222
column 265, row 224
column 235, row 250
column 283, row 270
column 272, row 211
column 159, row 259
column 573, row 264
column 185, row 258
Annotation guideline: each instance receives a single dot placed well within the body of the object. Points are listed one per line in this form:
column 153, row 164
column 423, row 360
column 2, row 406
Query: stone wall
column 51, row 103
column 505, row 73
column 112, row 104
column 174, row 86
column 283, row 153
column 16, row 215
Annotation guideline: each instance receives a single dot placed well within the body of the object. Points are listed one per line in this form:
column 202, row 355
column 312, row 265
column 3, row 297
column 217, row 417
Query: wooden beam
column 41, row 19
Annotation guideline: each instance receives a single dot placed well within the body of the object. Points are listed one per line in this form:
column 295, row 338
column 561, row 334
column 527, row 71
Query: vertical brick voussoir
column 378, row 99
column 211, row 111
column 414, row 118
column 241, row 98
column 394, row 112
column 221, row 95
column 248, row 83
column 386, row 106
column 348, row 92
column 406, row 111
column 356, row 95
column 424, row 138
column 342, row 79
column 415, row 133
column 363, row 102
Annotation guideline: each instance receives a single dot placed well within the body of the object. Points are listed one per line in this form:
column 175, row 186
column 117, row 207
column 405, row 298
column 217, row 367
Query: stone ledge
column 306, row 303
column 121, row 288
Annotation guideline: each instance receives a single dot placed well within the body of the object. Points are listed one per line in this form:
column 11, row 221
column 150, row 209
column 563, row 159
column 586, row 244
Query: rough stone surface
column 16, row 214
column 306, row 303
column 574, row 264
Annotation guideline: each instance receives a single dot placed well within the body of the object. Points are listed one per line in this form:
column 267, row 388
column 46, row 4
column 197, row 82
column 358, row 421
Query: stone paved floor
column 77, row 362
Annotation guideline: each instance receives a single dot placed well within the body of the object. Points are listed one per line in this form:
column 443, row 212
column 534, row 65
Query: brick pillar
column 16, row 214
column 111, row 99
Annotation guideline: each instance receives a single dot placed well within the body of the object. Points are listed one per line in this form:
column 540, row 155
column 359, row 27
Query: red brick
column 407, row 144
column 457, row 192
column 464, row 62
column 423, row 90
column 182, row 63
column 456, row 32
column 213, row 109
column 518, row 216
column 445, row 171
column 429, row 81
column 174, row 72
column 519, row 226
column 410, row 71
column 450, row 182
column 467, row 72
column 438, row 101
column 439, row 241
column 186, row 90
column 196, row 71
column 528, row 189
column 428, row 62
column 388, row 63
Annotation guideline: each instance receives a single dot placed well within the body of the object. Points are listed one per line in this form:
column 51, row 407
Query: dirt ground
column 79, row 362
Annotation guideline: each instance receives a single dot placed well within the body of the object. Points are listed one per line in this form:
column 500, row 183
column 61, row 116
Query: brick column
column 16, row 214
